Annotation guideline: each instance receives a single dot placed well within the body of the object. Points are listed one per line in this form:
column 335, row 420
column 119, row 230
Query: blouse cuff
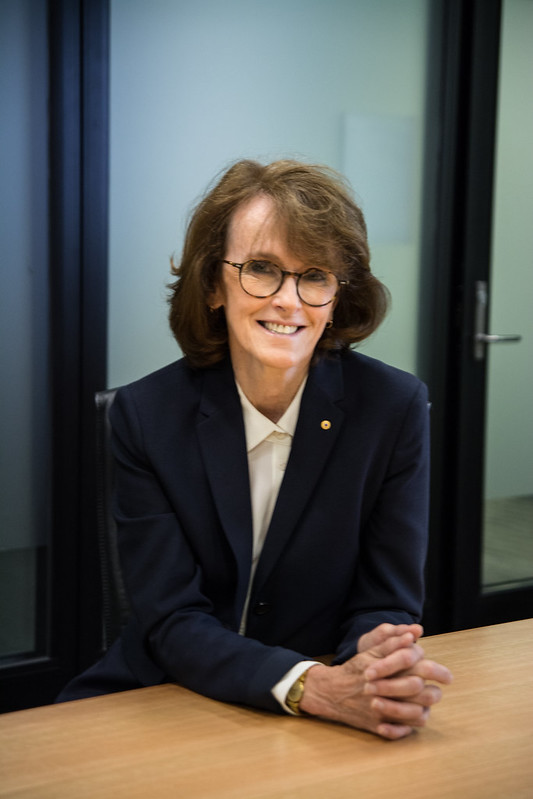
column 281, row 689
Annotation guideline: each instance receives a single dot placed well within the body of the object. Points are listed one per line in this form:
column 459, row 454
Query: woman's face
column 274, row 333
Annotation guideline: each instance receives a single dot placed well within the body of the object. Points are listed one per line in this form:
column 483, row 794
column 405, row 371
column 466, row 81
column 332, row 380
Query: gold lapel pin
column 325, row 424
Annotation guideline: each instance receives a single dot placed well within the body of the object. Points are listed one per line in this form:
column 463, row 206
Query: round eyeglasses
column 262, row 279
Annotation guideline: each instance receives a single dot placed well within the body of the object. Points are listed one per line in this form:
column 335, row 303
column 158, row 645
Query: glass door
column 489, row 533
column 507, row 559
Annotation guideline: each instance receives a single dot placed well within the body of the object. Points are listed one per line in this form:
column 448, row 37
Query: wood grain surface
column 168, row 742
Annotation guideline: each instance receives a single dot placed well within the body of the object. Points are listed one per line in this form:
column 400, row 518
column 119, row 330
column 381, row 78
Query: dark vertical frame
column 442, row 239
column 71, row 633
column 79, row 236
column 95, row 222
column 65, row 206
column 481, row 76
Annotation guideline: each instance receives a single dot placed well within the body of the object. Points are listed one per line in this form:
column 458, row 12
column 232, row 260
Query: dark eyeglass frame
column 283, row 274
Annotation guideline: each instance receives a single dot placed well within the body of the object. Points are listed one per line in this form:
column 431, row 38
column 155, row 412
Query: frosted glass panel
column 24, row 426
column 195, row 86
column 383, row 151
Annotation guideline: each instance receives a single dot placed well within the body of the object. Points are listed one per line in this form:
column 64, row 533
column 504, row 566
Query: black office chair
column 115, row 605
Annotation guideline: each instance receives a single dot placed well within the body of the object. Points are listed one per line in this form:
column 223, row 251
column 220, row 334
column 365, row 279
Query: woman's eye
column 316, row 276
column 261, row 268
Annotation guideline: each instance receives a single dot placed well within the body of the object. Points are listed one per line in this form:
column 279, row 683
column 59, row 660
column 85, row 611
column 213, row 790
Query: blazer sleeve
column 180, row 632
column 389, row 578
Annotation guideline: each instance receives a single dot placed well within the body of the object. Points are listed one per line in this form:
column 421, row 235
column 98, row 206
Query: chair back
column 115, row 605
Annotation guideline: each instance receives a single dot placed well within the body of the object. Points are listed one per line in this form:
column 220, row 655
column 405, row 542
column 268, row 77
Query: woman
column 272, row 485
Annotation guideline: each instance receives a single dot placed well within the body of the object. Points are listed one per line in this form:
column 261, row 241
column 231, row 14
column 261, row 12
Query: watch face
column 295, row 692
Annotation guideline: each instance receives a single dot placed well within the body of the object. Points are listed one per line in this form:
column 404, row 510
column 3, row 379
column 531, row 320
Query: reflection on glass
column 508, row 511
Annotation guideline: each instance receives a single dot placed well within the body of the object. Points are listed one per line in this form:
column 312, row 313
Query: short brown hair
column 323, row 224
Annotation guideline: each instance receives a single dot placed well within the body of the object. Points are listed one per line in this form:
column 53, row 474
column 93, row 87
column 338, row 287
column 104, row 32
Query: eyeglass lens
column 263, row 278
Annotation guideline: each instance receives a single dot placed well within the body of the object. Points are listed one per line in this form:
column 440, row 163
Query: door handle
column 481, row 338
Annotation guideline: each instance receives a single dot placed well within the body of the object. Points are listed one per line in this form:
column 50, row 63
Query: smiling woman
column 271, row 460
column 308, row 212
column 271, row 339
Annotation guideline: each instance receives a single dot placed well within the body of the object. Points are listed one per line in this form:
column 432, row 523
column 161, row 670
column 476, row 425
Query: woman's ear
column 215, row 299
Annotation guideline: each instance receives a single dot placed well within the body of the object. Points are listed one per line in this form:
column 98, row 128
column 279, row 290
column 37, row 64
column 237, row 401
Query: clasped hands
column 383, row 689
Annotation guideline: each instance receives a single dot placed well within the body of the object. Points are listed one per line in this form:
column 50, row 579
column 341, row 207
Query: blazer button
column 262, row 608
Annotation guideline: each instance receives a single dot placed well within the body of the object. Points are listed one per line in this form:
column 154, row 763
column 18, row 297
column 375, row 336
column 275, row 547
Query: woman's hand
column 383, row 631
column 383, row 688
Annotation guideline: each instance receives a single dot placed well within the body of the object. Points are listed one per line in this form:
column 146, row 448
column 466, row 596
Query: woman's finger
column 410, row 713
column 398, row 687
column 431, row 670
column 394, row 656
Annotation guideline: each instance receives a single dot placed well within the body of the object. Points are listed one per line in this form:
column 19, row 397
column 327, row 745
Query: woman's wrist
column 326, row 690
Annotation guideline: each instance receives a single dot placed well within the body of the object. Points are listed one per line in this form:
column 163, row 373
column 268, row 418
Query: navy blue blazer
column 345, row 549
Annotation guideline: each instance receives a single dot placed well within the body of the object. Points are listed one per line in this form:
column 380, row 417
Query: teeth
column 286, row 329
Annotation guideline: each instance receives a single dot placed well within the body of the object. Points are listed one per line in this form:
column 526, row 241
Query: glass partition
column 24, row 414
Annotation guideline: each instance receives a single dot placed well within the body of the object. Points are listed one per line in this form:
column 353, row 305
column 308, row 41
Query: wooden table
column 168, row 742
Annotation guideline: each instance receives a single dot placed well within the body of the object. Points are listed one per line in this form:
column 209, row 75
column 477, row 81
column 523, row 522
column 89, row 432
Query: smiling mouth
column 285, row 330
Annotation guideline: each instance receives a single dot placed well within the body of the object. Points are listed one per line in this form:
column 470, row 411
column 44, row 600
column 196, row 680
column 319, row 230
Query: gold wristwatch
column 296, row 691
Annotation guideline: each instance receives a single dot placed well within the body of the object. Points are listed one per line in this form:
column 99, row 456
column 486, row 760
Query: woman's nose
column 287, row 294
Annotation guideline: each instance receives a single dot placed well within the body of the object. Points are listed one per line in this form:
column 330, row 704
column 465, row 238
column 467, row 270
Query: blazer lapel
column 319, row 424
column 223, row 444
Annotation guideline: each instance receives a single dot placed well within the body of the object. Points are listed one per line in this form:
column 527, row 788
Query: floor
column 508, row 549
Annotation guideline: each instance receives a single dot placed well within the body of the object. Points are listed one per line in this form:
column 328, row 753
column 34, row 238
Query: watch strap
column 295, row 694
